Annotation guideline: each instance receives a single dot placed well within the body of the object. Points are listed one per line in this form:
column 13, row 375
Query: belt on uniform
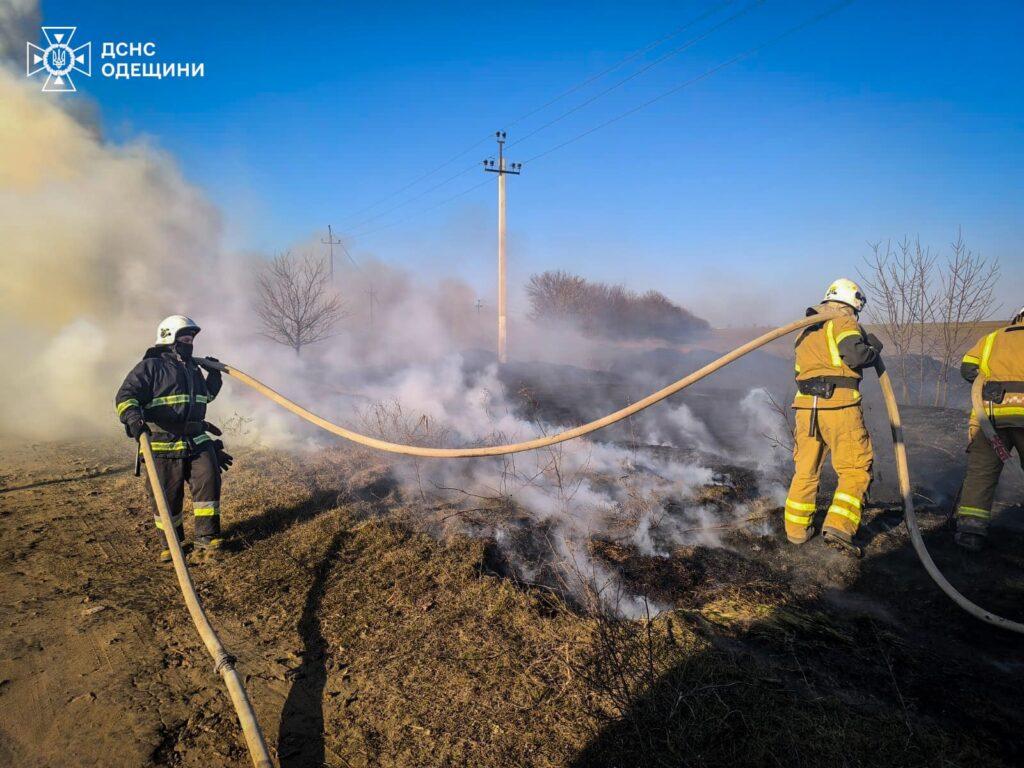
column 824, row 386
column 994, row 391
column 179, row 428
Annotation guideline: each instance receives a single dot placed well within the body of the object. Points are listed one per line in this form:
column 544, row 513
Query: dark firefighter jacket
column 170, row 394
column 836, row 350
column 1000, row 357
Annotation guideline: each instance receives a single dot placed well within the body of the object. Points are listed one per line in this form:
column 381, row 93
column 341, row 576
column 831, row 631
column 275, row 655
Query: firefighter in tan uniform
column 829, row 417
column 999, row 357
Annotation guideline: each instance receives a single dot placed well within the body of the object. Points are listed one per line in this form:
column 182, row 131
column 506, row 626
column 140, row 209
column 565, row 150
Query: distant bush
column 609, row 311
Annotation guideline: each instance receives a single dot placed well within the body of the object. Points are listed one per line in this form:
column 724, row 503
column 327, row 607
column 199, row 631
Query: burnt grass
column 422, row 650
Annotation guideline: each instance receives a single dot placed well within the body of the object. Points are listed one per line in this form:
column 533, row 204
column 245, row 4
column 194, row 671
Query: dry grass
column 409, row 652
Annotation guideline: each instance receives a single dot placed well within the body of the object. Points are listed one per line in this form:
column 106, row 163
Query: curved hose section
column 903, row 471
column 985, row 423
column 528, row 445
column 895, row 423
column 225, row 662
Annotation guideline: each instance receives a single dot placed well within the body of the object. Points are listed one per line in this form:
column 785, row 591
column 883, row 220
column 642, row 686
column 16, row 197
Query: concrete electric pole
column 331, row 241
column 515, row 169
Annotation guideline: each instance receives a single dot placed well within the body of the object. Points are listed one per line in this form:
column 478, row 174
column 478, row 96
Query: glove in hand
column 875, row 343
column 138, row 428
column 224, row 459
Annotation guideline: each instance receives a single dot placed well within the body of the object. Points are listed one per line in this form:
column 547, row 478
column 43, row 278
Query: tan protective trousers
column 841, row 431
column 983, row 469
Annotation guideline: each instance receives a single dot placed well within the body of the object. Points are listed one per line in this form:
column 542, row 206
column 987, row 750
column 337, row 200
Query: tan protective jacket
column 999, row 357
column 837, row 347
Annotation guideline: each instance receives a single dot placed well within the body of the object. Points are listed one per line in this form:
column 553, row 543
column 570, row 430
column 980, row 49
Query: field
column 370, row 634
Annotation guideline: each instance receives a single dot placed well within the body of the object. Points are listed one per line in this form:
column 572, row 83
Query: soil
column 365, row 642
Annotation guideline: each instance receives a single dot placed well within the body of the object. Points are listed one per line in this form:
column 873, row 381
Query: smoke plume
column 102, row 240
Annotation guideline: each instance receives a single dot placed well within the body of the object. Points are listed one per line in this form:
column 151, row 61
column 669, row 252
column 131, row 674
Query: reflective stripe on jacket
column 1000, row 357
column 836, row 347
column 168, row 392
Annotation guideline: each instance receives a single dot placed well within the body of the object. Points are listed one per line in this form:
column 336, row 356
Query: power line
column 636, row 54
column 686, row 84
column 703, row 76
column 421, row 177
column 573, row 89
column 413, row 215
column 415, row 197
column 674, row 52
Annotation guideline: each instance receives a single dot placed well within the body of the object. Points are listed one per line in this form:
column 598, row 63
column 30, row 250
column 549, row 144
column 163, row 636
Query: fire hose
column 895, row 424
column 225, row 662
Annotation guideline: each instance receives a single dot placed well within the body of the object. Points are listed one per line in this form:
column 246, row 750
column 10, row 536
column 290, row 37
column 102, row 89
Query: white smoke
column 102, row 240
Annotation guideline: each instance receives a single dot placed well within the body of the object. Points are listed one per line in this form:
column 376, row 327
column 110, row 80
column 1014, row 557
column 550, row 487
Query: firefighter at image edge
column 829, row 417
column 999, row 357
column 165, row 396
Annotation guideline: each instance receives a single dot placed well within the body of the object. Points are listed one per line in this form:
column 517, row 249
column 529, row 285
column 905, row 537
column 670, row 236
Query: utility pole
column 331, row 241
column 515, row 169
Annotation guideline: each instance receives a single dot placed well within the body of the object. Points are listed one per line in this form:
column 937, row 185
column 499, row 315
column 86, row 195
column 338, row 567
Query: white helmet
column 1018, row 318
column 171, row 326
column 846, row 292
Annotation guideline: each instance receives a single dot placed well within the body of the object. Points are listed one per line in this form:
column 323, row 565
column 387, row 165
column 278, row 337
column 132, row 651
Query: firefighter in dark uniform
column 165, row 396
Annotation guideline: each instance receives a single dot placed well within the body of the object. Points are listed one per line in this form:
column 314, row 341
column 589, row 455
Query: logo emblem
column 59, row 59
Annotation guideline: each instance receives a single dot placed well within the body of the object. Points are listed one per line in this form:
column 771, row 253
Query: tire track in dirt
column 100, row 636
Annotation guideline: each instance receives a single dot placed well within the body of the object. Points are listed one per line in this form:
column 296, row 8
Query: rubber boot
column 209, row 548
column 808, row 535
column 972, row 542
column 165, row 553
column 971, row 533
column 842, row 542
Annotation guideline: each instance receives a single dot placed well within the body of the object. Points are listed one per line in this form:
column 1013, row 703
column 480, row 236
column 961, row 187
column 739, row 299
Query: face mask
column 184, row 350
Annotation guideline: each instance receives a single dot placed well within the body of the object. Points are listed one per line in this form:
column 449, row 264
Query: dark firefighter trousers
column 202, row 474
column 983, row 469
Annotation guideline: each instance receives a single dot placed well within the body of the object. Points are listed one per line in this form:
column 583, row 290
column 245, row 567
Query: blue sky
column 746, row 192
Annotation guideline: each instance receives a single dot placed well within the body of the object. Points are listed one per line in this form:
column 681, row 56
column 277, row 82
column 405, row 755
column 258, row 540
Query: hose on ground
column 903, row 472
column 224, row 662
column 895, row 424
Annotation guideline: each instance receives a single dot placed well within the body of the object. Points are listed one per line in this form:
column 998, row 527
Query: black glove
column 212, row 428
column 224, row 459
column 137, row 429
column 208, row 368
column 875, row 343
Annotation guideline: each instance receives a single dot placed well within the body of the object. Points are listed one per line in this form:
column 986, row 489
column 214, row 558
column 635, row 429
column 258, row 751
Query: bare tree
column 295, row 302
column 963, row 301
column 902, row 305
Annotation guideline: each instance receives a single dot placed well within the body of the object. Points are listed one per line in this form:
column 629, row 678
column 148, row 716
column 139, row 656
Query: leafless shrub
column 785, row 440
column 902, row 303
column 609, row 311
column 295, row 302
column 963, row 301
column 927, row 310
column 238, row 425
